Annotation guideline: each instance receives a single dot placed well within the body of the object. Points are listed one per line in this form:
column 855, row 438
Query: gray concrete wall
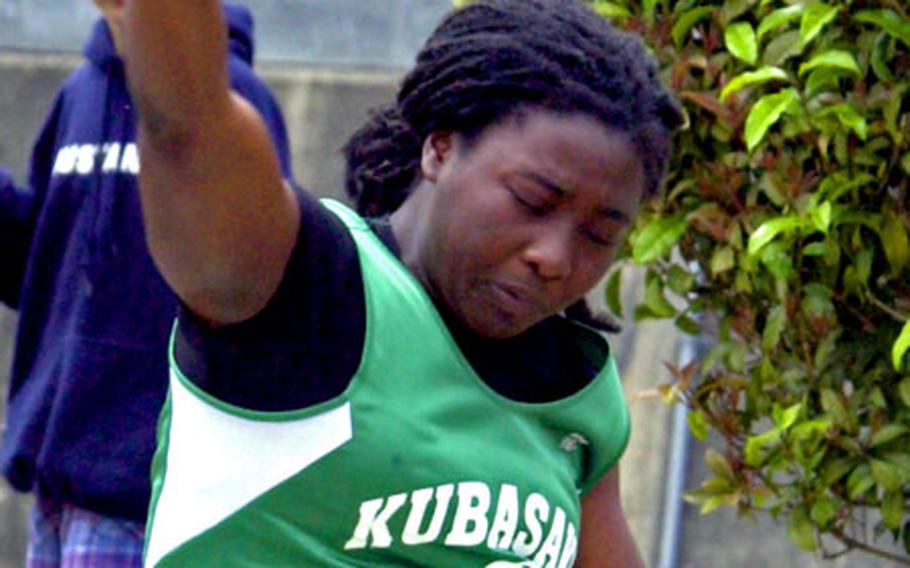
column 322, row 108
column 378, row 33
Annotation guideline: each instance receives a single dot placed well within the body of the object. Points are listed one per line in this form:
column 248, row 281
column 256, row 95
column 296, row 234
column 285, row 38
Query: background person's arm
column 219, row 220
column 16, row 227
column 19, row 206
column 605, row 539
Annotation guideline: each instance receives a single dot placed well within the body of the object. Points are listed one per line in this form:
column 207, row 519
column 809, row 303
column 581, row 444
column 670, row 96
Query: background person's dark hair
column 491, row 61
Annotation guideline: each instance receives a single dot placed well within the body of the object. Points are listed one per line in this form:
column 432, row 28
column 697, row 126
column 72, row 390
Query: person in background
column 405, row 389
column 14, row 236
column 89, row 374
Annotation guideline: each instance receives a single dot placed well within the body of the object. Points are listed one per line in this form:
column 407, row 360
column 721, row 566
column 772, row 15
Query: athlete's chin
column 492, row 313
column 495, row 324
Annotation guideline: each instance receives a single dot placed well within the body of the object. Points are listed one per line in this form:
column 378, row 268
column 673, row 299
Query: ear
column 437, row 149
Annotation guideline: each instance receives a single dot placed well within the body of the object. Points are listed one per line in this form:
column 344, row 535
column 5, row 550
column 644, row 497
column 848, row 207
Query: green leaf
column 878, row 58
column 863, row 265
column 774, row 188
column 856, row 276
column 800, row 530
column 680, row 280
column 816, row 302
column 655, row 300
column 658, row 238
column 887, row 476
column 765, row 113
column 784, row 418
column 900, row 460
column 771, row 229
column 806, row 430
column 648, row 9
column 900, row 348
column 758, row 447
column 903, row 388
column 832, row 404
column 848, row 117
column 889, row 21
column 719, row 501
column 613, row 292
column 895, row 241
column 817, row 289
column 876, row 398
column 893, row 509
column 611, row 10
column 715, row 355
column 892, row 112
column 681, row 6
column 687, row 325
column 735, row 358
column 817, row 248
column 717, row 463
column 685, row 22
column 836, row 185
column 782, row 48
column 709, row 488
column 740, row 40
column 870, row 220
column 816, row 17
column 826, row 348
column 832, row 58
column 887, row 433
column 763, row 75
column 823, row 510
column 840, row 149
column 698, row 424
column 822, row 81
column 776, row 258
column 778, row 18
column 859, row 481
column 821, row 216
column 733, row 9
column 777, row 322
column 722, row 259
column 817, row 306
column 834, row 470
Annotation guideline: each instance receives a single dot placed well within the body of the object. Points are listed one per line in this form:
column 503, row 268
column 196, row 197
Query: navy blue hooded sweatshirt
column 89, row 372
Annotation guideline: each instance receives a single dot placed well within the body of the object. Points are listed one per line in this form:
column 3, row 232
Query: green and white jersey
column 417, row 463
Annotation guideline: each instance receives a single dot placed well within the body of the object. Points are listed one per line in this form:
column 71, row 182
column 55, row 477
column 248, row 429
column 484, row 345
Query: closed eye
column 599, row 239
column 534, row 206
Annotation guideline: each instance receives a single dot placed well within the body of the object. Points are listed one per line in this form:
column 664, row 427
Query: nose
column 550, row 253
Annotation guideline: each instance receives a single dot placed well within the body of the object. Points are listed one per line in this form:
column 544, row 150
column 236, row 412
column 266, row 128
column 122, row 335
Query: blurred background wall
column 328, row 62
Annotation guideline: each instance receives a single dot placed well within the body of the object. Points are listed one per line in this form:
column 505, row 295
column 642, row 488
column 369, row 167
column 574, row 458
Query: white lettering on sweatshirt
column 88, row 159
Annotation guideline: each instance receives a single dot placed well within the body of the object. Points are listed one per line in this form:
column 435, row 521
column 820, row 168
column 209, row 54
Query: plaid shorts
column 64, row 536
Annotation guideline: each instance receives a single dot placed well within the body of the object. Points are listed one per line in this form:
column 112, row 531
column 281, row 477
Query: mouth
column 514, row 299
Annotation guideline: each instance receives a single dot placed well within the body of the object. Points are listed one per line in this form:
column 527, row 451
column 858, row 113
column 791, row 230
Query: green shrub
column 784, row 231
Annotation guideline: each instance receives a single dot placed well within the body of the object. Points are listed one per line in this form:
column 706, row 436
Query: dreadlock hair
column 495, row 59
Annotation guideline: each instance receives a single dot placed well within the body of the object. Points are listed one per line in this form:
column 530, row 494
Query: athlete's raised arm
column 219, row 220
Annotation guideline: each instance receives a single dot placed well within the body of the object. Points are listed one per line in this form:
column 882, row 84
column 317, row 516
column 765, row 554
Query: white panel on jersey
column 219, row 462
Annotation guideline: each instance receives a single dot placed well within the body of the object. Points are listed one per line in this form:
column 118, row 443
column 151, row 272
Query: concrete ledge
column 322, row 107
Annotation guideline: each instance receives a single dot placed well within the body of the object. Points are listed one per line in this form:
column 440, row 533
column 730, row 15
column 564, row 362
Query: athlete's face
column 525, row 220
